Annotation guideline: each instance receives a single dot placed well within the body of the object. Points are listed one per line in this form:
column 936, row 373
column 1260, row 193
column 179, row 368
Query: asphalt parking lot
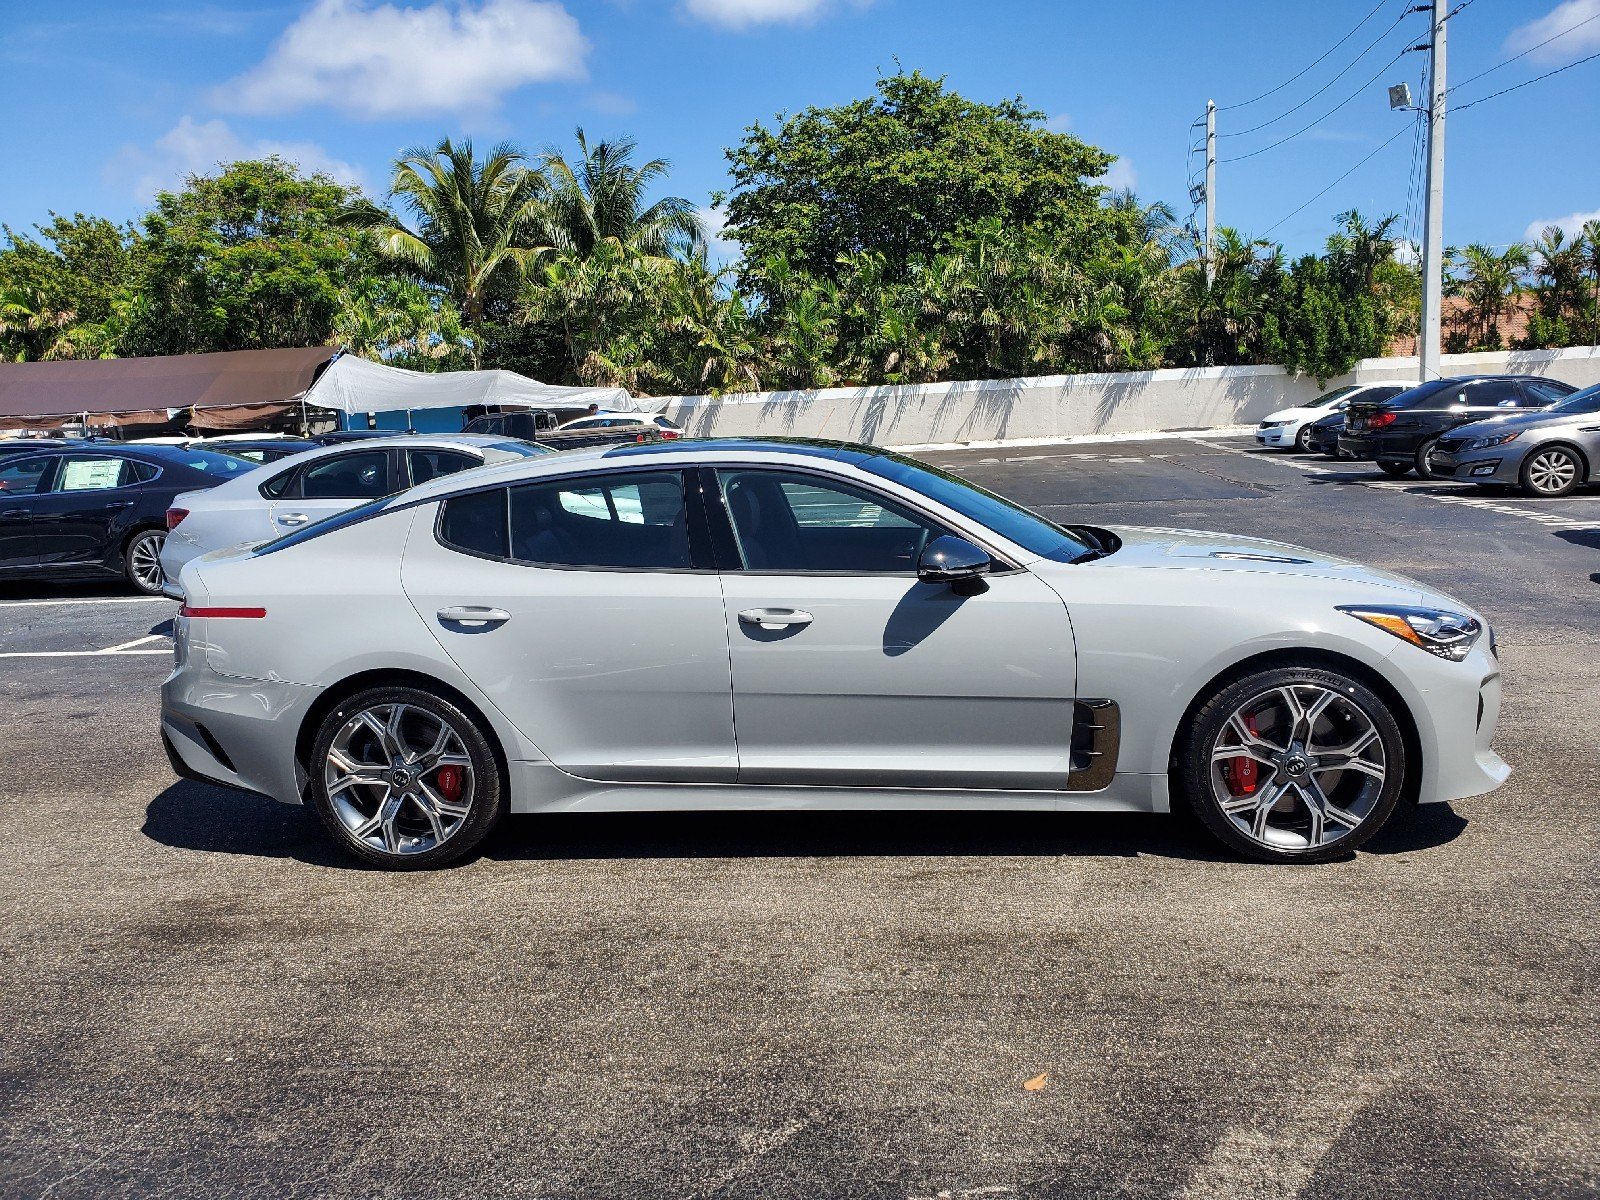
column 200, row 997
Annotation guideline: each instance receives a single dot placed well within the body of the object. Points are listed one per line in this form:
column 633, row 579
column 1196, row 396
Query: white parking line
column 154, row 637
column 87, row 600
column 166, row 650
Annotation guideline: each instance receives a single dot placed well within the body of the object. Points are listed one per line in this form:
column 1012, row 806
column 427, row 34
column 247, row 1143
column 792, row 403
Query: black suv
column 1401, row 433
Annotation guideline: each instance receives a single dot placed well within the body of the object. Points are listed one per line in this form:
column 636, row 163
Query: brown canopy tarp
column 232, row 389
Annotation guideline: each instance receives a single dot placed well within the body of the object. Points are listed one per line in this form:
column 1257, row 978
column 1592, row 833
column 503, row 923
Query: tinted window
column 1494, row 393
column 1586, row 401
column 1428, row 394
column 363, row 475
column 140, row 472
column 224, row 466
column 628, row 520
column 477, row 523
column 796, row 522
column 430, row 464
column 91, row 473
column 278, row 485
column 521, row 449
column 23, row 476
column 1011, row 521
column 1381, row 395
column 1542, row 391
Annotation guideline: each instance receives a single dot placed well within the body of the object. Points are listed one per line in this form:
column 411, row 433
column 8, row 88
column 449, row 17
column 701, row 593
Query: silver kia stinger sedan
column 796, row 624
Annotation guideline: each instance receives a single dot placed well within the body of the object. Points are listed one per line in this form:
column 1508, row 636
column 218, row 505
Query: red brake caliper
column 450, row 780
column 1242, row 773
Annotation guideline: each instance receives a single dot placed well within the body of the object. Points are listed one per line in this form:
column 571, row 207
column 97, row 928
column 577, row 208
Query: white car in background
column 304, row 488
column 1288, row 428
column 759, row 624
column 606, row 419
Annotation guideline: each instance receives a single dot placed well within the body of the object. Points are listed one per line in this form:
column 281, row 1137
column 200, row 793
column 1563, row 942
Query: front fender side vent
column 1096, row 735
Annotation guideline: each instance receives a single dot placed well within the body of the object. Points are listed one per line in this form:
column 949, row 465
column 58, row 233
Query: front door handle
column 14, row 514
column 775, row 618
column 293, row 519
column 474, row 616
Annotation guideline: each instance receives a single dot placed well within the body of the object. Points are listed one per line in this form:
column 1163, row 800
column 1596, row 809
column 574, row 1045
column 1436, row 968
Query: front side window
column 794, row 522
column 360, row 476
column 23, row 476
column 634, row 520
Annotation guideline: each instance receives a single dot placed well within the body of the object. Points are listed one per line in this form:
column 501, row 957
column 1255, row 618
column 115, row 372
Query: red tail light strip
column 188, row 611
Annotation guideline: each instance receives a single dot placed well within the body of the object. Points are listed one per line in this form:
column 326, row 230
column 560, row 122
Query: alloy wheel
column 399, row 779
column 1552, row 472
column 1298, row 767
column 144, row 561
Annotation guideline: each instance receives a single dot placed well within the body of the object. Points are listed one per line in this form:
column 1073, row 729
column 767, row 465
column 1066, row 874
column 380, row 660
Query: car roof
column 677, row 453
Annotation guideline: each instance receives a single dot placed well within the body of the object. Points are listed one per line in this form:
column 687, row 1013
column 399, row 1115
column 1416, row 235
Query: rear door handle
column 775, row 618
column 293, row 519
column 474, row 616
column 116, row 504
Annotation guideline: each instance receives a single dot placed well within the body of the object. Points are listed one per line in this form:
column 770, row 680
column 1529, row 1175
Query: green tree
column 255, row 256
column 1322, row 324
column 1489, row 282
column 601, row 197
column 1223, row 322
column 902, row 175
column 63, row 290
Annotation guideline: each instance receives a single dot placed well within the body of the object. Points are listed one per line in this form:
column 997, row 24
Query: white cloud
column 381, row 60
column 1121, row 175
column 1571, row 225
column 1060, row 123
column 1407, row 252
column 713, row 221
column 1563, row 16
column 196, row 147
column 743, row 14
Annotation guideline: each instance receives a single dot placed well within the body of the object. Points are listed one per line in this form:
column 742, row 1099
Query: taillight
column 175, row 516
column 1380, row 420
column 190, row 611
column 670, row 435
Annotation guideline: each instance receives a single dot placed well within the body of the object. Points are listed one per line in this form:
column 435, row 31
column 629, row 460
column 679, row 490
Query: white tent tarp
column 356, row 385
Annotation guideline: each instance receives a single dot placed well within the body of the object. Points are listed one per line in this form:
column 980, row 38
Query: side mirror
column 954, row 561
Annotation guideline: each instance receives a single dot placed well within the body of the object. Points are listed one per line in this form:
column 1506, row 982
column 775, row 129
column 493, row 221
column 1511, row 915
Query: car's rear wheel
column 1293, row 764
column 1424, row 458
column 404, row 779
column 1395, row 468
column 141, row 561
column 1551, row 471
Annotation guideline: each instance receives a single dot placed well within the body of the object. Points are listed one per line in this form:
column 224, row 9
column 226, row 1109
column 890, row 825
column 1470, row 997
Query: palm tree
column 33, row 325
column 1361, row 247
column 1488, row 282
column 600, row 197
column 475, row 223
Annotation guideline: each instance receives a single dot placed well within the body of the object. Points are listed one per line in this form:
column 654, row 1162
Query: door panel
column 896, row 683
column 87, row 506
column 21, row 480
column 615, row 674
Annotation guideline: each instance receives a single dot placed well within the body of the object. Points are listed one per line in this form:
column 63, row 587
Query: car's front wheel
column 141, row 561
column 1550, row 472
column 1424, row 458
column 1302, row 440
column 1293, row 764
column 404, row 779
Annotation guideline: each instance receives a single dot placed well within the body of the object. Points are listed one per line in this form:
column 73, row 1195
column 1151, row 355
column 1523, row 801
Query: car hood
column 1148, row 548
column 1295, row 414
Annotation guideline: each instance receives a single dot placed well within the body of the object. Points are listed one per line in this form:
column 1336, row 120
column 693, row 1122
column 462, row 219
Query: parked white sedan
column 1289, row 428
column 747, row 624
column 304, row 488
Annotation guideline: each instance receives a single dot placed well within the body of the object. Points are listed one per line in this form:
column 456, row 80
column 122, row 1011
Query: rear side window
column 1493, row 393
column 430, row 464
column 1544, row 392
column 633, row 521
column 477, row 523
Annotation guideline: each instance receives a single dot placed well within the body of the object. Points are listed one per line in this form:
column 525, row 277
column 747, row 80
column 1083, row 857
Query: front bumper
column 1280, row 437
column 1494, row 465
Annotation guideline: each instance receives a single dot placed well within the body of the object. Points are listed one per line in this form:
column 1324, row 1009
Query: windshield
column 1332, row 397
column 1586, row 401
column 1011, row 521
column 221, row 465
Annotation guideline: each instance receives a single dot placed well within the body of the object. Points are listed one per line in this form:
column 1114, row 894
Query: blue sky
column 106, row 101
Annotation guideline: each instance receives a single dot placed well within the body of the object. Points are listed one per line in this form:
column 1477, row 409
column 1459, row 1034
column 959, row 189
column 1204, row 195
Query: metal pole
column 1431, row 333
column 1211, row 190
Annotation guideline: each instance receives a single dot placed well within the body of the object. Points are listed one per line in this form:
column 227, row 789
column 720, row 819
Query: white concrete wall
column 1060, row 406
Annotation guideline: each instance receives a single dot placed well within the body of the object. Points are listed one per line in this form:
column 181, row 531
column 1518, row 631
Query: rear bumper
column 237, row 733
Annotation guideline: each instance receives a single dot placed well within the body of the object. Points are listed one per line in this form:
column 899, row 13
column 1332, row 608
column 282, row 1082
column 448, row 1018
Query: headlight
column 1272, row 424
column 1484, row 443
column 1448, row 634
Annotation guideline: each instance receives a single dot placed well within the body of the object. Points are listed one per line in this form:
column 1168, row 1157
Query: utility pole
column 1211, row 191
column 1431, row 332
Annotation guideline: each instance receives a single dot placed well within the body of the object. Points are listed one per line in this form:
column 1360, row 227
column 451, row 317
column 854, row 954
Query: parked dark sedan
column 1322, row 435
column 1401, row 433
column 98, row 508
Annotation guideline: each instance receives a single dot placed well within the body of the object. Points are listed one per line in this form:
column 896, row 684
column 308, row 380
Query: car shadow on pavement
column 1417, row 827
column 196, row 816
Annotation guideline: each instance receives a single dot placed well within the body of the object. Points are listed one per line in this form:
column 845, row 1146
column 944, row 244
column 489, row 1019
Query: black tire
column 1542, row 463
column 143, row 549
column 1194, row 778
column 488, row 796
column 1424, row 467
column 1302, row 440
column 1395, row 468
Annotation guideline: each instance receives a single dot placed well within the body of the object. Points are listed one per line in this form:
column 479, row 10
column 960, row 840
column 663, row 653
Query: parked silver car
column 1546, row 453
column 791, row 624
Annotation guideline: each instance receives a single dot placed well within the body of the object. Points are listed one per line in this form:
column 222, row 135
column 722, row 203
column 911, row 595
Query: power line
column 1313, row 124
column 1382, row 146
column 1347, row 68
column 1302, row 72
column 1528, row 51
column 1517, row 86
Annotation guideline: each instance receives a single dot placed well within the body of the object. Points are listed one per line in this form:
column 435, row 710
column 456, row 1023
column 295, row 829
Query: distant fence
column 1061, row 406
